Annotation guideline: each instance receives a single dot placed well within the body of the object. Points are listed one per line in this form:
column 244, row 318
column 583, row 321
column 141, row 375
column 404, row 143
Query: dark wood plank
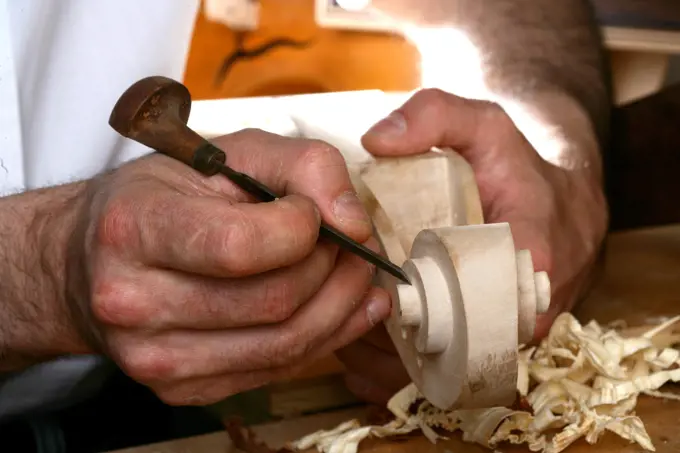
column 643, row 165
column 650, row 14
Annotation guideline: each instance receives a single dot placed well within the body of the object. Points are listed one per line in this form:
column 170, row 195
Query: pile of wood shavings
column 580, row 382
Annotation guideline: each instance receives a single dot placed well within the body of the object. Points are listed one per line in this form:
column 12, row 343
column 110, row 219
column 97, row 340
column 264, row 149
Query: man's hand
column 560, row 215
column 198, row 292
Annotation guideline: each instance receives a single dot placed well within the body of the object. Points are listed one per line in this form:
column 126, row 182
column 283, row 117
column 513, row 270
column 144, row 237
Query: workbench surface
column 640, row 284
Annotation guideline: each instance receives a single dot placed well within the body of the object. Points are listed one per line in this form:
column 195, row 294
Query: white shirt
column 63, row 65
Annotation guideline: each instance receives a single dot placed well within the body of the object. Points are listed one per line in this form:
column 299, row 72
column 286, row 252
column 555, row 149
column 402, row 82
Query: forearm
column 541, row 60
column 535, row 47
column 35, row 228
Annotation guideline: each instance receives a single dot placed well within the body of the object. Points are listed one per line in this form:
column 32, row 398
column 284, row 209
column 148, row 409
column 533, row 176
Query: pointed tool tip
column 401, row 275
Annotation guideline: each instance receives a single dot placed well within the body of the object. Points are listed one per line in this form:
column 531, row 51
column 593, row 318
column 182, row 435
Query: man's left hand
column 558, row 214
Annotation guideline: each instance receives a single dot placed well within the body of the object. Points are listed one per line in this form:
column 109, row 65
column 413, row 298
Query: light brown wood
column 640, row 283
column 308, row 396
column 427, row 215
column 642, row 40
column 455, row 349
column 275, row 434
column 637, row 74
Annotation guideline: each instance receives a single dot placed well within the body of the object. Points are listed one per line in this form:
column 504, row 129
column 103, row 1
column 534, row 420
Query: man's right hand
column 198, row 292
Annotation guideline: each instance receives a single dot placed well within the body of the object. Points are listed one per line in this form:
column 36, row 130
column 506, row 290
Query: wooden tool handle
column 154, row 112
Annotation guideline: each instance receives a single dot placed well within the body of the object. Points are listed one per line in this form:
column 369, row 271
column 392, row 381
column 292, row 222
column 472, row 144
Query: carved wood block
column 473, row 298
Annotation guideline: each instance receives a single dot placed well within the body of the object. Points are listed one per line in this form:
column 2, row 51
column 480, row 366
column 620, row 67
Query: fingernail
column 393, row 126
column 348, row 207
column 378, row 308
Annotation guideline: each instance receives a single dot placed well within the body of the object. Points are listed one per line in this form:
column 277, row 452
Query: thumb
column 429, row 118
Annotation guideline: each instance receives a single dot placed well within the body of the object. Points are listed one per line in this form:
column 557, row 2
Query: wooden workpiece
column 640, row 284
column 457, row 335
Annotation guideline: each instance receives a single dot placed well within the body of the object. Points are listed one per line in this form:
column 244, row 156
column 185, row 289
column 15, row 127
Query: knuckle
column 433, row 95
column 119, row 303
column 495, row 115
column 116, row 224
column 303, row 220
column 239, row 244
column 148, row 363
column 240, row 136
column 319, row 155
column 279, row 301
column 293, row 349
column 247, row 132
column 433, row 106
column 311, row 217
column 436, row 101
column 300, row 351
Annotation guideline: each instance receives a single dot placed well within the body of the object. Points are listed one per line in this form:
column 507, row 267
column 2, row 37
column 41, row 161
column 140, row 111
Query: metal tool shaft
column 154, row 111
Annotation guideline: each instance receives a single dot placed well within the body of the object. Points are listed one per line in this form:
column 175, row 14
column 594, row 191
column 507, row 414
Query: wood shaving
column 580, row 382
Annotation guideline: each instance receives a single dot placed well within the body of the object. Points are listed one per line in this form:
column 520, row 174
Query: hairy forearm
column 544, row 62
column 531, row 47
column 541, row 60
column 35, row 228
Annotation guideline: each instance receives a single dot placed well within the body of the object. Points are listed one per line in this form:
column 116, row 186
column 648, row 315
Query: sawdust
column 580, row 382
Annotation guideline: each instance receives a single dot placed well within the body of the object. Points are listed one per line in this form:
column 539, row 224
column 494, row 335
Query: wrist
column 35, row 320
column 562, row 133
column 559, row 129
column 579, row 234
column 56, row 232
column 589, row 207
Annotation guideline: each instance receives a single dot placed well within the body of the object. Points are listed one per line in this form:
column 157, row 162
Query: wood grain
column 641, row 283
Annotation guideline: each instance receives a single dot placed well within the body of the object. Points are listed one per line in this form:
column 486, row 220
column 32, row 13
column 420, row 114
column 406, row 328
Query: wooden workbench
column 640, row 284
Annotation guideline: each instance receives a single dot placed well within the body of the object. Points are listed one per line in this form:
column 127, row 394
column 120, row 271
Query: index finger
column 209, row 235
column 298, row 166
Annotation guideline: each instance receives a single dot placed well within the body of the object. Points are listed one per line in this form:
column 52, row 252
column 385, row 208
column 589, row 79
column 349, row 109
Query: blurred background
column 277, row 47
